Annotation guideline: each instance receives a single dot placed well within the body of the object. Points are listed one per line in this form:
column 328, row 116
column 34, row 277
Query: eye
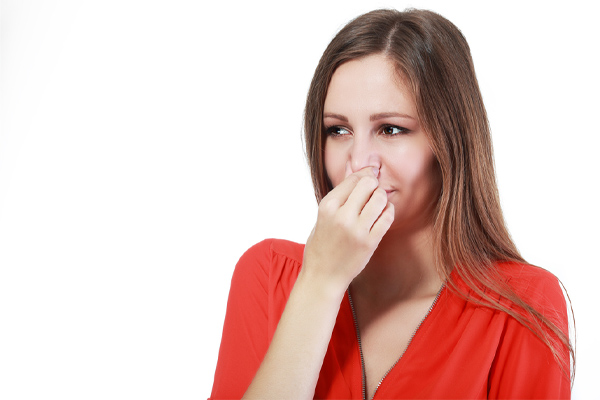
column 392, row 130
column 337, row 131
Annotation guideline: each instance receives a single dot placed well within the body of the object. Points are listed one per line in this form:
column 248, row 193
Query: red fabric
column 461, row 351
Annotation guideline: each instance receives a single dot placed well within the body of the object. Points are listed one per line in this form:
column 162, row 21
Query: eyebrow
column 336, row 116
column 373, row 117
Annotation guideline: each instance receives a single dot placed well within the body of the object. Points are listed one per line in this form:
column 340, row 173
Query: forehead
column 368, row 84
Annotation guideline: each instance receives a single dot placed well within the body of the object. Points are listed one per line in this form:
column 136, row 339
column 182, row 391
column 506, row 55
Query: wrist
column 323, row 286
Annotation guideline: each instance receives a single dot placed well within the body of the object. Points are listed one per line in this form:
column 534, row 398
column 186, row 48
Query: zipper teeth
column 362, row 359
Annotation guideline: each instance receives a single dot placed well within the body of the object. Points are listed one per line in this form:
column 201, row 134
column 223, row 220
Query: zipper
column 362, row 359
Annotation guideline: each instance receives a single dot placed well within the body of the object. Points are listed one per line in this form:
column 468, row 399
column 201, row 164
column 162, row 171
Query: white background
column 146, row 144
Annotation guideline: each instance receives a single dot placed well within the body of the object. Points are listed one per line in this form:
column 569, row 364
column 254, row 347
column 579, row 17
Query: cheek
column 420, row 170
column 334, row 165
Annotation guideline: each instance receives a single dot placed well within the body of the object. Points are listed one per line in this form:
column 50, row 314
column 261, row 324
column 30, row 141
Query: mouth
column 389, row 193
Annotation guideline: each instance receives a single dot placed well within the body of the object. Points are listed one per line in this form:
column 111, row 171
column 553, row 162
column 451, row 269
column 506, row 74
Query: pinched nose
column 363, row 154
column 349, row 170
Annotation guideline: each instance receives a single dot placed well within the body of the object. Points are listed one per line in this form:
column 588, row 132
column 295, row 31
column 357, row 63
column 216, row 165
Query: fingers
column 362, row 193
column 383, row 223
column 340, row 194
column 352, row 219
column 359, row 199
column 373, row 208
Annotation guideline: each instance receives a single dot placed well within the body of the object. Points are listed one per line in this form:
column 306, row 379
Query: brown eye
column 337, row 131
column 391, row 130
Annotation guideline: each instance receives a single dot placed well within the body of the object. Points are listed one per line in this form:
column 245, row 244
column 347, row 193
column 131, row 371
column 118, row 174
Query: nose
column 364, row 153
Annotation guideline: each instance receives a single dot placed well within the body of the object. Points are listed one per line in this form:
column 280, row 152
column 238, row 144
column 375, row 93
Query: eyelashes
column 385, row 130
column 336, row 130
column 393, row 130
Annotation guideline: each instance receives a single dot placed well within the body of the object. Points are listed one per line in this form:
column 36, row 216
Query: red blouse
column 460, row 351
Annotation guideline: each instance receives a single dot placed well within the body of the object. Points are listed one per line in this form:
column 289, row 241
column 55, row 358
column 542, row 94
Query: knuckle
column 328, row 204
column 357, row 239
column 329, row 197
column 342, row 222
column 324, row 210
column 365, row 244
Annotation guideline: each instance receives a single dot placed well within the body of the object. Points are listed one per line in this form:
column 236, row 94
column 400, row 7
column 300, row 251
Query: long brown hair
column 470, row 235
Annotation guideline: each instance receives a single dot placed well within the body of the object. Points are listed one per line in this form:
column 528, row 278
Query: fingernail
column 376, row 172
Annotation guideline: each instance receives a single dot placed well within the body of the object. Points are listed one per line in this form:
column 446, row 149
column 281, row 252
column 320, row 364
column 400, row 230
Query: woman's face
column 371, row 120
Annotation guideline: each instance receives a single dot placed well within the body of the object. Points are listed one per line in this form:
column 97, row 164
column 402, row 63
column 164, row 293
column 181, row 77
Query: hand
column 351, row 222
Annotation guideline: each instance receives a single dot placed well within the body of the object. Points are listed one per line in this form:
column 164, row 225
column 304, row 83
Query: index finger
column 341, row 192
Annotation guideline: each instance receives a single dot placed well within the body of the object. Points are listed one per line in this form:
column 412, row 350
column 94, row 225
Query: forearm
column 291, row 367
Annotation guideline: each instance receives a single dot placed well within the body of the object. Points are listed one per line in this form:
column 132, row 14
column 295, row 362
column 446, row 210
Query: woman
column 409, row 285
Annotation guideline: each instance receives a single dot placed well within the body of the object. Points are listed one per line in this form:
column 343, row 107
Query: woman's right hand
column 352, row 219
column 351, row 222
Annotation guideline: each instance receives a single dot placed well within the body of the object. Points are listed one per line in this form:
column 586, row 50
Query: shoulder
column 539, row 289
column 267, row 257
column 533, row 287
column 532, row 283
column 525, row 273
column 531, row 360
column 268, row 248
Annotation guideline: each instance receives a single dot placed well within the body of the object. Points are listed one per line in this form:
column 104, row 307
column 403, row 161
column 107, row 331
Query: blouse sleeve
column 245, row 331
column 524, row 366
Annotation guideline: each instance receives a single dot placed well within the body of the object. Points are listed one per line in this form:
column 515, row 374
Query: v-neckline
column 358, row 339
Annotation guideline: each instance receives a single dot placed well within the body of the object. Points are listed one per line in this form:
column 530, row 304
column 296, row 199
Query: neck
column 402, row 267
